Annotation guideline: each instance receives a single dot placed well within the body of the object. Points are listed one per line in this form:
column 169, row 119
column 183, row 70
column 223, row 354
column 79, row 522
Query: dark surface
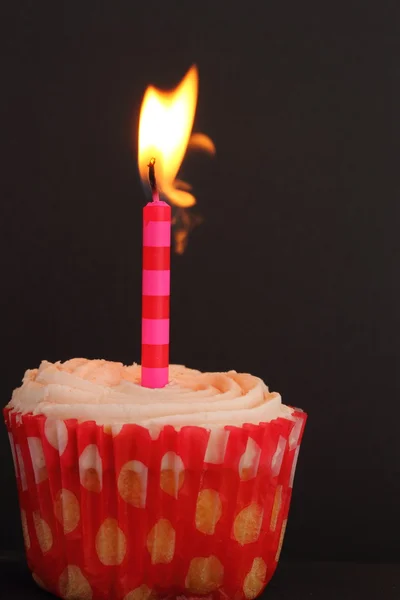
column 292, row 581
column 294, row 274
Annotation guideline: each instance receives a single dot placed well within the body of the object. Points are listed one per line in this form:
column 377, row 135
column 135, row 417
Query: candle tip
column 152, row 174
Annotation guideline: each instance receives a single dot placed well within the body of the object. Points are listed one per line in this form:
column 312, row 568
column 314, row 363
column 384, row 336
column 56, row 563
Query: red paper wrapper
column 110, row 513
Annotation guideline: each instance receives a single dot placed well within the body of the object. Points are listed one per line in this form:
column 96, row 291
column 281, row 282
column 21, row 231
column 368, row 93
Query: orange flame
column 165, row 132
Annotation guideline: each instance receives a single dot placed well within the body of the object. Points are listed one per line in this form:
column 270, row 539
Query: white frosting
column 110, row 393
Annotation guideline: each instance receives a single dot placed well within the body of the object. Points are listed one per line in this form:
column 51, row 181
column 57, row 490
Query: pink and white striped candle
column 156, row 289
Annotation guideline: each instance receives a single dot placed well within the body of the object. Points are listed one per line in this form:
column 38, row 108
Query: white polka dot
column 281, row 537
column 74, row 585
column 21, row 468
column 113, row 430
column 12, row 446
column 161, row 542
column 67, row 510
column 91, row 469
column 295, row 433
column 172, row 461
column 25, row 530
column 43, row 533
column 205, row 575
column 56, row 433
column 249, row 461
column 132, row 483
column 39, row 582
column 276, row 507
column 216, row 446
column 172, row 473
column 154, row 431
column 110, row 543
column 208, row 511
column 141, row 593
column 247, row 524
column 294, row 465
column 38, row 460
column 116, row 429
column 255, row 578
column 277, row 458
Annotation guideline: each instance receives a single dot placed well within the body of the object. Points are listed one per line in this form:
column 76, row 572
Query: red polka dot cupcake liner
column 110, row 512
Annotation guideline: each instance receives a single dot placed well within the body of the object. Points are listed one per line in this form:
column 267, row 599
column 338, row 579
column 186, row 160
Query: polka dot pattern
column 208, row 511
column 73, row 584
column 91, row 469
column 56, row 434
column 39, row 582
column 255, row 578
column 113, row 430
column 249, row 461
column 67, row 510
column 247, row 525
column 13, row 454
column 38, row 460
column 116, row 512
column 281, row 537
column 132, row 483
column 276, row 507
column 161, row 542
column 21, row 468
column 110, row 543
column 172, row 474
column 278, row 457
column 216, row 446
column 25, row 530
column 294, row 465
column 295, row 434
column 140, row 593
column 205, row 575
column 43, row 533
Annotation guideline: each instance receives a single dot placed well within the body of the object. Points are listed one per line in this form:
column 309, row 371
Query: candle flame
column 165, row 133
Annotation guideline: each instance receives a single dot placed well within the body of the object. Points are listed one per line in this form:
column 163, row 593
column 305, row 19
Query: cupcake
column 131, row 493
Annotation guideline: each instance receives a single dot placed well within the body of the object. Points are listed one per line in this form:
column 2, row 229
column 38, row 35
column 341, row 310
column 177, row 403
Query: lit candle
column 166, row 121
column 156, row 288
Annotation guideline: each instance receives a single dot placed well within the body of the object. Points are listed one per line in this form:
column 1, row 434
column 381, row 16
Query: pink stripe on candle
column 155, row 331
column 157, row 233
column 153, row 377
column 156, row 283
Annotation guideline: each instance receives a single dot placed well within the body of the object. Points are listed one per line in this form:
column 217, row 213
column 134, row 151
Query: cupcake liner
column 109, row 512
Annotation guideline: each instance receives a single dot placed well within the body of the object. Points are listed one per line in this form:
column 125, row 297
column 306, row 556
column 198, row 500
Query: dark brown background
column 294, row 274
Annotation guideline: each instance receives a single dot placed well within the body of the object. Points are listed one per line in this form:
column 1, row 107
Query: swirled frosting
column 110, row 393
